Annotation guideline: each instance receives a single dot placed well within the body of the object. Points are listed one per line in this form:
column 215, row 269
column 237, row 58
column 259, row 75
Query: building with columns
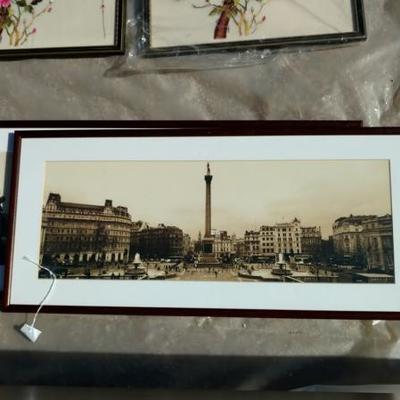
column 347, row 237
column 78, row 234
column 377, row 243
column 365, row 240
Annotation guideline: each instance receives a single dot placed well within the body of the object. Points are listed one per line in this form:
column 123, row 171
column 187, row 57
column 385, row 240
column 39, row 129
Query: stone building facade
column 252, row 243
column 347, row 241
column 158, row 242
column 223, row 245
column 377, row 243
column 260, row 244
column 311, row 240
column 239, row 247
column 187, row 244
column 267, row 241
column 288, row 237
column 365, row 240
column 79, row 234
column 285, row 238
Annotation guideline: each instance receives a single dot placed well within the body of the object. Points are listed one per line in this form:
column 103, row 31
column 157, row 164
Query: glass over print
column 220, row 23
column 289, row 223
column 58, row 24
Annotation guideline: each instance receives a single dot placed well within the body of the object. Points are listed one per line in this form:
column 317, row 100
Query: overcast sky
column 245, row 194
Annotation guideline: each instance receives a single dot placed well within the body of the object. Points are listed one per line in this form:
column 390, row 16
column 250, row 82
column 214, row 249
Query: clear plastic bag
column 185, row 35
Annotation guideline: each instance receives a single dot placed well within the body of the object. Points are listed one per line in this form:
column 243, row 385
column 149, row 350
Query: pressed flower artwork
column 18, row 19
column 227, row 23
column 53, row 26
column 244, row 15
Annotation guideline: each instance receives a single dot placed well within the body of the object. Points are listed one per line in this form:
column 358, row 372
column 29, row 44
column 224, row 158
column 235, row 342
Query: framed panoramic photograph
column 206, row 222
column 45, row 28
column 189, row 26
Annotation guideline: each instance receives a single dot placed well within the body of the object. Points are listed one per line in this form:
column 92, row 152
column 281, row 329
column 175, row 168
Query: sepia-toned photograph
column 326, row 221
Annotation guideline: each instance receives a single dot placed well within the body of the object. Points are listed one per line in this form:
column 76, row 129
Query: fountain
column 136, row 269
column 137, row 261
column 281, row 267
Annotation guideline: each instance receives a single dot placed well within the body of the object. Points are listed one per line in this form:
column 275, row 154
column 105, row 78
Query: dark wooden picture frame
column 195, row 130
column 117, row 48
column 359, row 34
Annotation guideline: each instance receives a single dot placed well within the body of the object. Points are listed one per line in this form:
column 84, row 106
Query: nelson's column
column 207, row 256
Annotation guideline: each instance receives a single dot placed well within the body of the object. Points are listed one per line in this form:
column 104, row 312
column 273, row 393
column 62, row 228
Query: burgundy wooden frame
column 184, row 129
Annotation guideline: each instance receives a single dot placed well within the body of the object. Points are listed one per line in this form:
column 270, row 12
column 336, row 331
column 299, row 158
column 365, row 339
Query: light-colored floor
column 359, row 82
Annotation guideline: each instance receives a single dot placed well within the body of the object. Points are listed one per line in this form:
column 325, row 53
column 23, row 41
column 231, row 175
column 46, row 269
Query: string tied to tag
column 29, row 330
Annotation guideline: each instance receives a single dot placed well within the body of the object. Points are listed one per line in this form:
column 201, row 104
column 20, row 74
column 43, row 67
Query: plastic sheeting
column 358, row 82
column 168, row 29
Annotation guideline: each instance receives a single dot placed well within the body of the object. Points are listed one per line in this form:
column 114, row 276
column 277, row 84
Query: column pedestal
column 207, row 255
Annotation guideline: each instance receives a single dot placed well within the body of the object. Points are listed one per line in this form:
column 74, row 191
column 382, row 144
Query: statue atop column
column 207, row 256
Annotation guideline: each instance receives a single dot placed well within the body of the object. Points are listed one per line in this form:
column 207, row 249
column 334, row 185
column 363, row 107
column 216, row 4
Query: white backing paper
column 70, row 23
column 279, row 296
column 180, row 23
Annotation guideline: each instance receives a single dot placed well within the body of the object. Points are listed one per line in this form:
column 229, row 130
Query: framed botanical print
column 44, row 28
column 223, row 223
column 189, row 26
